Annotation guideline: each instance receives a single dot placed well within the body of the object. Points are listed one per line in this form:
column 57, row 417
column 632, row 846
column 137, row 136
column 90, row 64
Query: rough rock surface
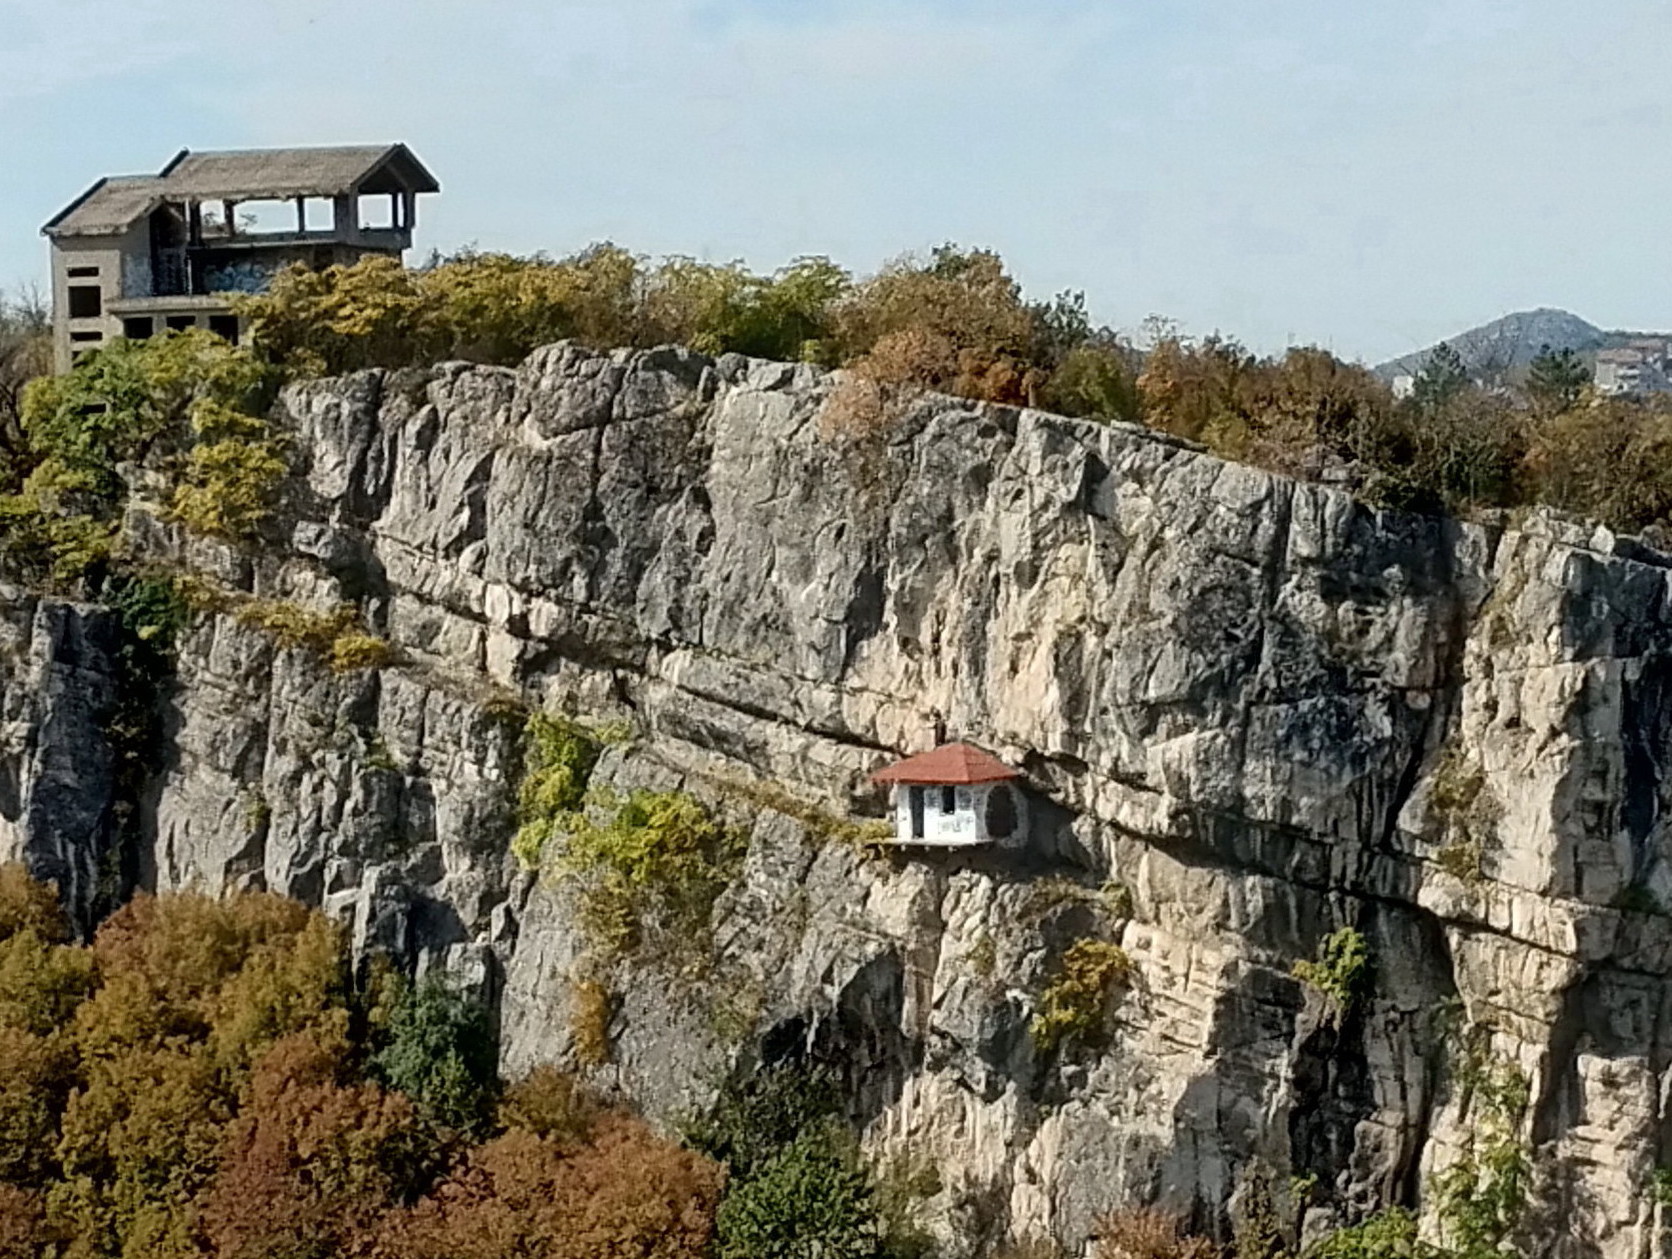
column 1251, row 712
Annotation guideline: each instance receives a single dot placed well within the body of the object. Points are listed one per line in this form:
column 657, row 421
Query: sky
column 1365, row 177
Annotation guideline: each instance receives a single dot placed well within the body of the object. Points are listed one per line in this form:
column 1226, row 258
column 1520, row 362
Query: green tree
column 1095, row 379
column 797, row 1184
column 812, row 1199
column 440, row 1051
column 752, row 1120
column 728, row 309
column 25, row 354
column 1440, row 380
column 1556, row 380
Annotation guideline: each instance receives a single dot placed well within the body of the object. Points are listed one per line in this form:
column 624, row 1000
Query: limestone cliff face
column 1262, row 709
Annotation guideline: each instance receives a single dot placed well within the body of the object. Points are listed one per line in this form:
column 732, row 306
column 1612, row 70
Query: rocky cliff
column 1250, row 711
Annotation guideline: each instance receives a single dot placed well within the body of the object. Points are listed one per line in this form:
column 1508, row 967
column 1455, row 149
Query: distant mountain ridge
column 1501, row 347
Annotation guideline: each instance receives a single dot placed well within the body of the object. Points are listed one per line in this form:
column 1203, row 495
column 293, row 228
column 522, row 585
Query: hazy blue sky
column 1369, row 177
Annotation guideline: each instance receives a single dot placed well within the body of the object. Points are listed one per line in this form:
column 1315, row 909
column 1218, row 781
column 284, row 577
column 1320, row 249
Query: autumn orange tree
column 623, row 1192
column 205, row 1079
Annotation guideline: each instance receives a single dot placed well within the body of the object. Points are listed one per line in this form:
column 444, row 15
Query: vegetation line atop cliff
column 192, row 409
column 957, row 322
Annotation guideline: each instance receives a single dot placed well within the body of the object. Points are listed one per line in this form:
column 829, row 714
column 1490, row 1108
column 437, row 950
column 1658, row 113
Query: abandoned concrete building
column 136, row 255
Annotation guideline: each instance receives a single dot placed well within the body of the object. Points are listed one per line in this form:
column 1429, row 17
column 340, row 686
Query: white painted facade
column 936, row 815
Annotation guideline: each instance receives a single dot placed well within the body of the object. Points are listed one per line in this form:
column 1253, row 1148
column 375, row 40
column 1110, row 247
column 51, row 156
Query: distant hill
column 1498, row 349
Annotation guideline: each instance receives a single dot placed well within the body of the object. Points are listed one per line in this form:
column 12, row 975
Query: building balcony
column 380, row 239
column 183, row 304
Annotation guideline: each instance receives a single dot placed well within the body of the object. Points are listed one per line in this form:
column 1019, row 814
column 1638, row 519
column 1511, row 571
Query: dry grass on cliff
column 1145, row 1233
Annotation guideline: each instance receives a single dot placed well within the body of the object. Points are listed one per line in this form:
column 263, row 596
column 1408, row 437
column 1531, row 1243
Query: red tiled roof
column 950, row 763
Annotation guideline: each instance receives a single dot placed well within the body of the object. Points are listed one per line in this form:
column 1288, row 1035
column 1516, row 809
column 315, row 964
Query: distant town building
column 136, row 255
column 1638, row 367
column 1404, row 385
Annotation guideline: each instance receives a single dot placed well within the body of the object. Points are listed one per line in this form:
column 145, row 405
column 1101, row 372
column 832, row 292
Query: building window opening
column 83, row 273
column 84, row 337
column 86, row 301
column 138, row 327
column 949, row 800
column 181, row 323
column 376, row 212
column 225, row 327
column 259, row 218
column 914, row 803
column 319, row 215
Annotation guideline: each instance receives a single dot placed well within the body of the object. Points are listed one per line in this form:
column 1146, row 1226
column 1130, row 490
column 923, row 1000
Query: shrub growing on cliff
column 1463, row 804
column 559, row 756
column 655, row 863
column 1482, row 1195
column 1340, row 970
column 1389, row 1234
column 227, row 486
column 591, row 1007
column 1076, row 1001
column 339, row 635
column 186, row 406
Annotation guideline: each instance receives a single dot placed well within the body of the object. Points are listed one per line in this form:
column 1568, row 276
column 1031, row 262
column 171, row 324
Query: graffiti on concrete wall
column 247, row 275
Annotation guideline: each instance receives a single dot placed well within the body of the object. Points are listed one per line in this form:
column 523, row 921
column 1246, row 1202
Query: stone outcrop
column 1251, row 712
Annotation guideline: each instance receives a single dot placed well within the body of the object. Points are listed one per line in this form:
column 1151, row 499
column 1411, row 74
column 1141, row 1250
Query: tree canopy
column 204, row 1079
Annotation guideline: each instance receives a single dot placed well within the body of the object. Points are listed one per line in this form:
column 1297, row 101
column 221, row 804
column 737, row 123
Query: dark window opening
column 1001, row 812
column 138, row 327
column 949, row 800
column 181, row 323
column 87, row 336
column 86, row 301
column 914, row 801
column 84, row 273
column 225, row 327
column 169, row 233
